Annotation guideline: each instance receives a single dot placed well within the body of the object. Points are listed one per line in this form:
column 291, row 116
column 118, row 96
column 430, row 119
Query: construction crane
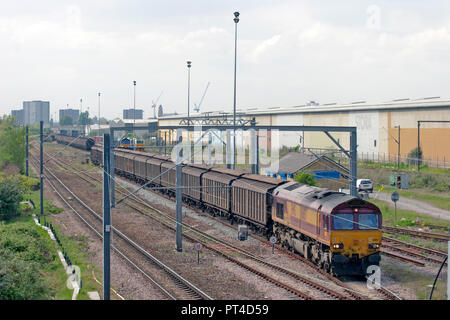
column 197, row 107
column 154, row 104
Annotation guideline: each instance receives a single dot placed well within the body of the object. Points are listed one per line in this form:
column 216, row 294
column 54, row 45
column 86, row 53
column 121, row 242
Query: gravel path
column 421, row 207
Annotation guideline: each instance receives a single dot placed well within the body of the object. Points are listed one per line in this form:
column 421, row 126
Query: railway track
column 437, row 227
column 349, row 292
column 152, row 268
column 220, row 247
column 417, row 252
column 355, row 295
column 416, row 233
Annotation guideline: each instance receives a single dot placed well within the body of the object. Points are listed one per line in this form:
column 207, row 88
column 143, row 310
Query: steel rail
column 303, row 279
column 394, row 255
column 155, row 260
column 428, row 250
column 416, row 233
column 354, row 294
column 241, row 264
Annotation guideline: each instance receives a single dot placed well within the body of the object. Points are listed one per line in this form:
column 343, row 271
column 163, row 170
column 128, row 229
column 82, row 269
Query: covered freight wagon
column 252, row 198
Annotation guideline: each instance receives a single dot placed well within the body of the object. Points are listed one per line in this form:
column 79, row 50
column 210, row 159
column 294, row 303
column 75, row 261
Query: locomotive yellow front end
column 355, row 239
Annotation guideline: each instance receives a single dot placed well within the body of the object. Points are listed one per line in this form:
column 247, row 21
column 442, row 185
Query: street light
column 236, row 20
column 189, row 87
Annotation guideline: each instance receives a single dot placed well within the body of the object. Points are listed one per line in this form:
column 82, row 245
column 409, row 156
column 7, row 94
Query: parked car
column 364, row 185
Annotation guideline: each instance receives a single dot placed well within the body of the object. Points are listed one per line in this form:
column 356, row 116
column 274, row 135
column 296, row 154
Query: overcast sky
column 289, row 52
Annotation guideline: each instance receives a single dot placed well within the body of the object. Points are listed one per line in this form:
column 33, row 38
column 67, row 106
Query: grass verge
column 32, row 252
column 442, row 202
column 419, row 282
column 405, row 218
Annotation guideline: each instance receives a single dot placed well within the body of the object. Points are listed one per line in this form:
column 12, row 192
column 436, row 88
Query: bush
column 23, row 254
column 424, row 181
column 415, row 155
column 11, row 193
column 442, row 187
column 305, row 178
column 26, row 183
column 20, row 280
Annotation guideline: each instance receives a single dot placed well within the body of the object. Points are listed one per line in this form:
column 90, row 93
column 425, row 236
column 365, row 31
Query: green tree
column 66, row 121
column 84, row 119
column 305, row 178
column 12, row 143
column 20, row 280
column 415, row 155
column 11, row 193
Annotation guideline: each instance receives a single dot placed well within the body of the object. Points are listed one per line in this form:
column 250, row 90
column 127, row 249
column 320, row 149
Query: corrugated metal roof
column 425, row 103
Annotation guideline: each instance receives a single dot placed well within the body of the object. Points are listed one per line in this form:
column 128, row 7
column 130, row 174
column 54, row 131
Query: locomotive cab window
column 280, row 210
column 343, row 221
column 368, row 221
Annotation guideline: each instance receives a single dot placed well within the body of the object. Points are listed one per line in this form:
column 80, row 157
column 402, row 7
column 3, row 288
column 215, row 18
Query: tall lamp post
column 236, row 20
column 189, row 63
column 99, row 113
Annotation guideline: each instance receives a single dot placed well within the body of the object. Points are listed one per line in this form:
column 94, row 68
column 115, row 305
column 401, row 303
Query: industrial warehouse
column 225, row 160
column 377, row 126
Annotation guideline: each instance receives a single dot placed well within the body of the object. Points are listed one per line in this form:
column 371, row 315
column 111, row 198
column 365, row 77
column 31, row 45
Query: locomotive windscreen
column 368, row 221
column 343, row 221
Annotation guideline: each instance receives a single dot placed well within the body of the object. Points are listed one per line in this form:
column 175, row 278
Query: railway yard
column 145, row 264
column 224, row 159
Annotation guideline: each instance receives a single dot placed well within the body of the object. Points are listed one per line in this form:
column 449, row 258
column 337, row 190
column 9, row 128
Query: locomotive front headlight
column 338, row 246
column 374, row 245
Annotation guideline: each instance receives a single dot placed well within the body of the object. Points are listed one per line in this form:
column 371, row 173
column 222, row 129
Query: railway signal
column 273, row 240
column 198, row 246
column 395, row 197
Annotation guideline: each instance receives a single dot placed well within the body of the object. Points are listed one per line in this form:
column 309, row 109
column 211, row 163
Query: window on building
column 280, row 210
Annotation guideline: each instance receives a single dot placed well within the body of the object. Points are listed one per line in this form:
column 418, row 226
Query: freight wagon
column 76, row 142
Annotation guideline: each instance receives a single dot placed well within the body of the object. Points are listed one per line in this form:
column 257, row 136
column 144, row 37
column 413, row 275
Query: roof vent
column 293, row 186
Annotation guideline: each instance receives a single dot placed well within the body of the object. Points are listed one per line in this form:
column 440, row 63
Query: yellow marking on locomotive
column 355, row 241
column 292, row 211
column 310, row 216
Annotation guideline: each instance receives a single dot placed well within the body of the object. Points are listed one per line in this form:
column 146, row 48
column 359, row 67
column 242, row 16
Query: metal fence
column 374, row 157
